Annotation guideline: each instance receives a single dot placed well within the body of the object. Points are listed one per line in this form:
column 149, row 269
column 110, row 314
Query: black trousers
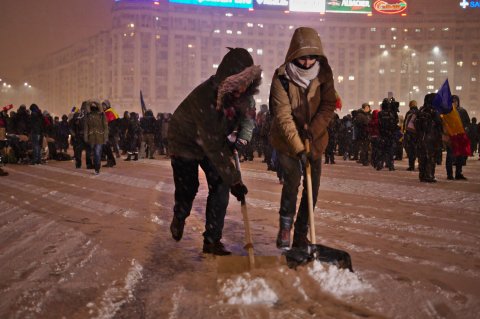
column 185, row 177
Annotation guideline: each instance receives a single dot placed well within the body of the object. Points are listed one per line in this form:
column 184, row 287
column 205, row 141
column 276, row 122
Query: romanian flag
column 111, row 114
column 452, row 124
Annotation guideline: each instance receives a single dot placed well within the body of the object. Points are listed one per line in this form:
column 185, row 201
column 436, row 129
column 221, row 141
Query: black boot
column 176, row 228
column 300, row 240
column 135, row 157
column 215, row 248
column 129, row 157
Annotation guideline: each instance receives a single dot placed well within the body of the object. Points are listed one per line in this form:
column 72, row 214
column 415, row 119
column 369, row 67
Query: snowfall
column 77, row 245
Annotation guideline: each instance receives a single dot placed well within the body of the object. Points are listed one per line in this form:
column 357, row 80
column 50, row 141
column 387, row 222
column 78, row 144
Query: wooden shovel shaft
column 246, row 221
column 308, row 173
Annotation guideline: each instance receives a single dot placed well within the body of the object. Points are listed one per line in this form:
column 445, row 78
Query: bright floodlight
column 436, row 50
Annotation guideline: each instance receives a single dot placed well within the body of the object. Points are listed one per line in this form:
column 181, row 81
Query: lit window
column 157, row 37
column 414, row 54
column 475, row 63
column 443, row 71
column 156, row 18
column 131, row 25
column 258, row 101
column 405, row 30
column 429, row 87
column 430, row 62
column 290, row 27
column 260, row 25
column 418, row 30
column 392, row 70
column 215, row 66
column 402, row 104
column 474, row 79
column 393, row 46
column 351, row 78
column 373, row 29
column 394, row 38
column 229, row 31
column 430, row 71
column 393, row 29
column 228, row 14
column 259, row 51
column 250, row 25
column 340, row 79
column 415, row 87
column 445, row 29
column 460, row 63
column 444, row 62
column 381, row 71
column 190, row 46
column 430, row 79
column 216, row 31
column 385, row 53
column 239, row 32
column 250, row 50
column 458, row 88
column 405, row 47
column 382, row 46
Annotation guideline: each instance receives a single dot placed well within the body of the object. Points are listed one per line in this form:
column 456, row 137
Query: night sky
column 31, row 29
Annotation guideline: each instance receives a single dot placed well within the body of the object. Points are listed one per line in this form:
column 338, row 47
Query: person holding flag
column 460, row 159
column 454, row 120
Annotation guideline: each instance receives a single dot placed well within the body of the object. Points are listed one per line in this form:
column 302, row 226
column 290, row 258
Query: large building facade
column 166, row 49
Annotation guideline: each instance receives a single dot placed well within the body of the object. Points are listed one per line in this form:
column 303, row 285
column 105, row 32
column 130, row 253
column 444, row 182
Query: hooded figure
column 302, row 103
column 95, row 131
column 197, row 136
column 428, row 126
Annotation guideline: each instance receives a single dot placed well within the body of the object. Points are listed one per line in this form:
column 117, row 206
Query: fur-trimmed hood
column 248, row 81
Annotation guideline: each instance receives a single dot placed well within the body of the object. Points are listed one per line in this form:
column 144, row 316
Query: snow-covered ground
column 76, row 245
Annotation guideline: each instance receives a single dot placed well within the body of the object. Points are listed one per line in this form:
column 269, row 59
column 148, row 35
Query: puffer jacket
column 314, row 106
column 95, row 125
column 201, row 123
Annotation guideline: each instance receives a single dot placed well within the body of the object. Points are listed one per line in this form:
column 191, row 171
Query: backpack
column 410, row 123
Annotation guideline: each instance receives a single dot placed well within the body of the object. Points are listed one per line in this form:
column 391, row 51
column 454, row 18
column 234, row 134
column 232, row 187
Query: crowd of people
column 218, row 121
column 30, row 136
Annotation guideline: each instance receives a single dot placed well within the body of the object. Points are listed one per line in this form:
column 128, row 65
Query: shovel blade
column 301, row 256
column 241, row 264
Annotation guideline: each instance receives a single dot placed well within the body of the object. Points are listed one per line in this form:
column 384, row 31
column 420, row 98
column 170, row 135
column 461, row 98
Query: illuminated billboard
column 390, row 6
column 307, row 6
column 242, row 4
column 349, row 6
column 271, row 4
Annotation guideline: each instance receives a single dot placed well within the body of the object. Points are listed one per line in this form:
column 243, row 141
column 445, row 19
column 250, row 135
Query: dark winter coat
column 361, row 121
column 37, row 122
column 200, row 125
column 296, row 107
column 428, row 126
column 96, row 126
column 148, row 123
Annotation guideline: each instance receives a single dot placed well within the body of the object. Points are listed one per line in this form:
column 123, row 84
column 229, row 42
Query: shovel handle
column 308, row 173
column 246, row 222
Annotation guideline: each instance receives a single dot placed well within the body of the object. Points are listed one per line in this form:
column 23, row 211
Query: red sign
column 390, row 6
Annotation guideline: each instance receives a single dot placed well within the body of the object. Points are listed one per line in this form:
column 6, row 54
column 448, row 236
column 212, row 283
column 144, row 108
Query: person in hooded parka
column 77, row 127
column 197, row 136
column 428, row 126
column 95, row 131
column 302, row 103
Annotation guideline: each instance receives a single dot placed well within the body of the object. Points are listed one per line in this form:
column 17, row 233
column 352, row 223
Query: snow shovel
column 239, row 264
column 300, row 256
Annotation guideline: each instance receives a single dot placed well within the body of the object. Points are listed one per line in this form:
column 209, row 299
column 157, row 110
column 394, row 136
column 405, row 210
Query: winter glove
column 306, row 134
column 239, row 190
column 240, row 144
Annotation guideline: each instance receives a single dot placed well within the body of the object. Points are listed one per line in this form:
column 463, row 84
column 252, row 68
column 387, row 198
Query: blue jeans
column 292, row 173
column 36, row 140
column 185, row 177
column 97, row 155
